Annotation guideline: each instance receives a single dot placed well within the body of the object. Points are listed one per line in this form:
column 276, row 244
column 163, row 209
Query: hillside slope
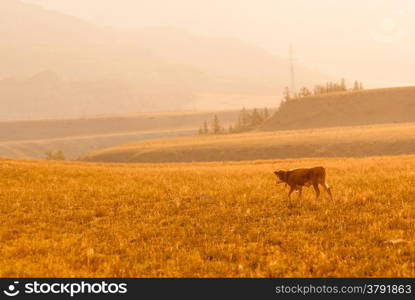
column 354, row 141
column 78, row 136
column 389, row 105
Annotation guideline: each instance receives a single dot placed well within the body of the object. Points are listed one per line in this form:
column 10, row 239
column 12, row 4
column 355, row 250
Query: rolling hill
column 78, row 136
column 352, row 123
column 354, row 141
column 376, row 106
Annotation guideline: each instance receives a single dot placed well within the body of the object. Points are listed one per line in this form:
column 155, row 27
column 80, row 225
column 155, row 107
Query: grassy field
column 206, row 219
column 353, row 141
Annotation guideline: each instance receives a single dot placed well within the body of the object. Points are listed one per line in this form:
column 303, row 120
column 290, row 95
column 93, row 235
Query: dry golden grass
column 369, row 140
column 205, row 219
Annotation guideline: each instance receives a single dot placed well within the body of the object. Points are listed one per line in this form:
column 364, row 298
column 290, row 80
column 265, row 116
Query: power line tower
column 293, row 89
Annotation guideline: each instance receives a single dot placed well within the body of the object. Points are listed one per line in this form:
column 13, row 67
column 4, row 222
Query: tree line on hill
column 250, row 120
column 321, row 89
column 55, row 155
column 247, row 120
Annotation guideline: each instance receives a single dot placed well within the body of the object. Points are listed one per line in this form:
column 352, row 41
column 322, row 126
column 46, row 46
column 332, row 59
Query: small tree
column 55, row 155
column 217, row 129
column 265, row 113
column 205, row 127
column 304, row 92
column 245, row 118
column 343, row 85
column 356, row 85
column 256, row 118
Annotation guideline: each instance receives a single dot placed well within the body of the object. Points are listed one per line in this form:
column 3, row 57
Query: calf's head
column 281, row 176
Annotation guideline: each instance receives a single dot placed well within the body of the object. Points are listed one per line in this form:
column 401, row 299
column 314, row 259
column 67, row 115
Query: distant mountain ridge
column 47, row 95
column 173, row 68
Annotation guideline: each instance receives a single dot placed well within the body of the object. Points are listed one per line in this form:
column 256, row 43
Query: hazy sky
column 370, row 40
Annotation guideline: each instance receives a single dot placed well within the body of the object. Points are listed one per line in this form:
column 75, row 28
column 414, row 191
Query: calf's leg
column 327, row 188
column 300, row 193
column 317, row 190
column 290, row 192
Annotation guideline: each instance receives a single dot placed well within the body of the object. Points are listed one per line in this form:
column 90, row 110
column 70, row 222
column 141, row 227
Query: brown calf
column 299, row 178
